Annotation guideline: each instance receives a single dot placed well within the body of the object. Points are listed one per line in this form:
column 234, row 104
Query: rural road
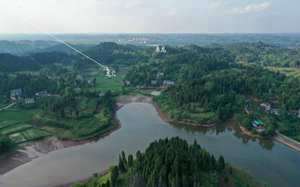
column 7, row 107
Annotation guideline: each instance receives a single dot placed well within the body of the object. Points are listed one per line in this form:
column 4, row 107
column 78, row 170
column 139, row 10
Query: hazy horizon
column 145, row 16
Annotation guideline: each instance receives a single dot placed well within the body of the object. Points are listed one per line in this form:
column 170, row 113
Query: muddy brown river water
column 272, row 163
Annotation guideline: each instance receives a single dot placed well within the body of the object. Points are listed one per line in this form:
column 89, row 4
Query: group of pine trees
column 169, row 163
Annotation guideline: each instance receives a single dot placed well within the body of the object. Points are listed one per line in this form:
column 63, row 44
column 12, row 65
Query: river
column 272, row 163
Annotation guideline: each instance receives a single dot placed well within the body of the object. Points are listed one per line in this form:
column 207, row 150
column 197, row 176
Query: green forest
column 73, row 99
column 209, row 86
column 172, row 163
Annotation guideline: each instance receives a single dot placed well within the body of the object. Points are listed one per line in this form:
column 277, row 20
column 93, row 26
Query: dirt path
column 7, row 107
column 287, row 141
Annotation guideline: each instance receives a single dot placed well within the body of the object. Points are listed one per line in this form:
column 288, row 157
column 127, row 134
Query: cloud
column 205, row 16
column 251, row 8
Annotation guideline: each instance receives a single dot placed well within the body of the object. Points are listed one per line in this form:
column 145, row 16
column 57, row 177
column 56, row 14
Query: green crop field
column 4, row 124
column 72, row 128
column 28, row 135
column 15, row 128
column 33, row 134
column 17, row 138
column 16, row 124
column 104, row 83
column 16, row 114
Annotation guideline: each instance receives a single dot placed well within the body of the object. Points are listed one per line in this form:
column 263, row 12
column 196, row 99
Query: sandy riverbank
column 29, row 151
column 293, row 144
column 33, row 150
column 248, row 133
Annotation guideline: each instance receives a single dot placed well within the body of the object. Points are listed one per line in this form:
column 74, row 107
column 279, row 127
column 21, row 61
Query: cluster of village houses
column 18, row 96
column 268, row 108
column 155, row 83
column 110, row 73
column 160, row 49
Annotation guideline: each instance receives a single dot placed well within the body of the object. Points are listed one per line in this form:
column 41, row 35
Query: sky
column 149, row 16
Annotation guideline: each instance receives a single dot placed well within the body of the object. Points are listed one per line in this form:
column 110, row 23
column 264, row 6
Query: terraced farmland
column 21, row 132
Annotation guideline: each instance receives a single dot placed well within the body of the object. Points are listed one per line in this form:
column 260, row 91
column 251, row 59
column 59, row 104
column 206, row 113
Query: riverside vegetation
column 201, row 85
column 57, row 93
column 212, row 85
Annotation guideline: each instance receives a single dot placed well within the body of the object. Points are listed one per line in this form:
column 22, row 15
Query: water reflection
column 230, row 126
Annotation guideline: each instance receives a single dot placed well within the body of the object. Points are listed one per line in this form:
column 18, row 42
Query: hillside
column 205, row 86
column 114, row 54
column 172, row 162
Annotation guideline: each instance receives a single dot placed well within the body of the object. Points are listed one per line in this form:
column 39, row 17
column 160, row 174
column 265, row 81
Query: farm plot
column 28, row 135
column 5, row 124
column 21, row 132
column 17, row 127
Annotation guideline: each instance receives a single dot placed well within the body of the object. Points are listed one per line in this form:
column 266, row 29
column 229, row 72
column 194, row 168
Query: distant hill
column 284, row 40
column 13, row 63
column 64, row 49
column 23, row 47
column 113, row 53
column 265, row 54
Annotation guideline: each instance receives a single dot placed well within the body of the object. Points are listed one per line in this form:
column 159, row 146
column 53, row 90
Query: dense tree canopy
column 172, row 163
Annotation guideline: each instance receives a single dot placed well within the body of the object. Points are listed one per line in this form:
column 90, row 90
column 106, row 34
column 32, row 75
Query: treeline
column 265, row 54
column 6, row 144
column 225, row 91
column 209, row 86
column 172, row 163
column 173, row 65
column 114, row 54
column 32, row 62
column 30, row 84
column 70, row 106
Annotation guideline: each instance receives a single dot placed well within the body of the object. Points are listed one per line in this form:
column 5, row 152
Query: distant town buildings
column 153, row 82
column 41, row 94
column 127, row 83
column 258, row 125
column 101, row 94
column 266, row 106
column 275, row 111
column 160, row 49
column 168, row 83
column 155, row 93
column 16, row 94
column 109, row 72
column 160, row 74
column 28, row 101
